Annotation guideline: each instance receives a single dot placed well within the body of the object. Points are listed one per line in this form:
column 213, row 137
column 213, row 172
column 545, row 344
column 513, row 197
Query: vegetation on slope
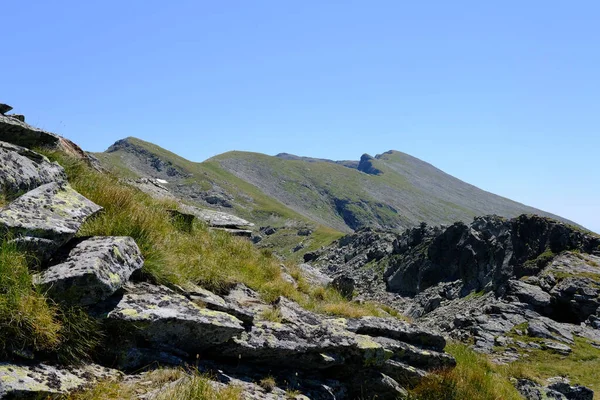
column 179, row 386
column 474, row 377
column 212, row 259
column 31, row 323
column 249, row 201
column 404, row 192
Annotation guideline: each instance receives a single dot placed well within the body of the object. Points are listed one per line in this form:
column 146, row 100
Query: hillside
column 393, row 190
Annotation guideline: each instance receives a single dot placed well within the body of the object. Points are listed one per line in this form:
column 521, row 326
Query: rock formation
column 150, row 323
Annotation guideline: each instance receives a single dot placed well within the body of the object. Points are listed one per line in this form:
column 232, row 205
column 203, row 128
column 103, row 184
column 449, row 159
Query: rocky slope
column 230, row 335
column 509, row 287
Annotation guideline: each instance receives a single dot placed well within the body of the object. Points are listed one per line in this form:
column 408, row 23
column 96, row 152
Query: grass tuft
column 27, row 321
column 165, row 384
column 473, row 378
column 268, row 383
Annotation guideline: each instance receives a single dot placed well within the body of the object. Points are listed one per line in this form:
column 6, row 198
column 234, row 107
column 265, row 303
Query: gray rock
column 208, row 299
column 378, row 385
column 23, row 170
column 546, row 328
column 425, row 359
column 314, row 276
column 312, row 347
column 246, row 298
column 571, row 392
column 344, row 285
column 269, row 230
column 395, row 329
column 17, row 132
column 4, row 108
column 304, row 232
column 529, row 294
column 557, row 348
column 216, row 219
column 531, row 390
column 19, row 117
column 93, row 270
column 47, row 381
column 161, row 317
column 47, row 217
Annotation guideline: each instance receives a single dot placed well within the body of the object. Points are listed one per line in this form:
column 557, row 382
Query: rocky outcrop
column 14, row 131
column 366, row 165
column 558, row 389
column 44, row 219
column 47, row 381
column 93, row 270
column 506, row 286
column 165, row 319
column 483, row 255
column 23, row 170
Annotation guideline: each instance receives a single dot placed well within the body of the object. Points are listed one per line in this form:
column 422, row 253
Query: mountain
column 392, row 190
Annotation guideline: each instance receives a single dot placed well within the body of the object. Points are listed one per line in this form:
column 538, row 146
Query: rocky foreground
column 227, row 335
column 506, row 286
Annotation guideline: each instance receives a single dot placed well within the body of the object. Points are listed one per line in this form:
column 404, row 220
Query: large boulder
column 46, row 381
column 398, row 330
column 313, row 343
column 93, row 270
column 44, row 219
column 162, row 318
column 374, row 361
column 17, row 132
column 23, row 170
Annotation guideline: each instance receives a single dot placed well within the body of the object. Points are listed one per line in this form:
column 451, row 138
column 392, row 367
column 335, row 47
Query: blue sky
column 504, row 95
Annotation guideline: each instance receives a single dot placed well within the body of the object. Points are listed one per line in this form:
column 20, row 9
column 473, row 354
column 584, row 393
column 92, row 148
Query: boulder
column 314, row 276
column 23, row 170
column 17, row 132
column 345, row 285
column 216, row 219
column 20, row 117
column 312, row 347
column 208, row 299
column 531, row 390
column 46, row 218
column 93, row 270
column 4, row 108
column 398, row 330
column 559, row 389
column 576, row 392
column 163, row 318
column 530, row 294
column 47, row 381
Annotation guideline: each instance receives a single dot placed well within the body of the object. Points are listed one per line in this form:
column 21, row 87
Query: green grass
column 3, row 200
column 581, row 366
column 212, row 259
column 27, row 320
column 474, row 377
column 31, row 324
column 540, row 261
column 250, row 202
column 173, row 384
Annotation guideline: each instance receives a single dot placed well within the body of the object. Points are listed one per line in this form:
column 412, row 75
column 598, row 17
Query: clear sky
column 504, row 95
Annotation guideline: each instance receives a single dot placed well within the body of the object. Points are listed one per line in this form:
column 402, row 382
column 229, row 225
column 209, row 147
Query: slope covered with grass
column 396, row 191
column 212, row 259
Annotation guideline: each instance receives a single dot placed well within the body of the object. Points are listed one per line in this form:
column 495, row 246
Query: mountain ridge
column 392, row 190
